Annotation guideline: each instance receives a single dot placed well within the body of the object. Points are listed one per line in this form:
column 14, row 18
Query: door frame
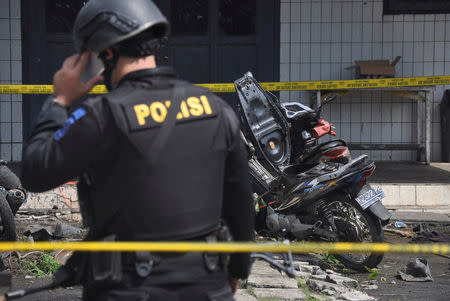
column 33, row 29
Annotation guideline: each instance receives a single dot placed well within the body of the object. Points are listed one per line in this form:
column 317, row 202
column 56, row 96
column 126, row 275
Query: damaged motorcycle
column 306, row 128
column 12, row 196
column 314, row 197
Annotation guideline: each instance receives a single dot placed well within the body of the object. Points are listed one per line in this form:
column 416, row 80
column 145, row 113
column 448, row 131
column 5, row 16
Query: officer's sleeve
column 237, row 204
column 61, row 146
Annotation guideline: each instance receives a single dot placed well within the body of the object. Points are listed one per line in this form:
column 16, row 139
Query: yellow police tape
column 226, row 247
column 271, row 86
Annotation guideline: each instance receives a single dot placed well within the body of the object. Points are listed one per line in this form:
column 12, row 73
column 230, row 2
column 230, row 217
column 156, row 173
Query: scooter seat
column 297, row 169
column 324, row 146
column 322, row 171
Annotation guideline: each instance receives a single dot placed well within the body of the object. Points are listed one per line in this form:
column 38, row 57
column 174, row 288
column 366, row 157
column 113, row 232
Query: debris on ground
column 5, row 255
column 426, row 234
column 368, row 285
column 403, row 233
column 419, row 232
column 46, row 233
column 39, row 233
column 416, row 271
column 311, row 283
column 400, row 224
column 64, row 231
column 54, row 214
column 62, row 256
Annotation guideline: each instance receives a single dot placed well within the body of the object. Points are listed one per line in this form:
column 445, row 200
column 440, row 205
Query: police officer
column 157, row 159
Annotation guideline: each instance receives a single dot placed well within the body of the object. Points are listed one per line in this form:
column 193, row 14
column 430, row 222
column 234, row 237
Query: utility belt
column 108, row 268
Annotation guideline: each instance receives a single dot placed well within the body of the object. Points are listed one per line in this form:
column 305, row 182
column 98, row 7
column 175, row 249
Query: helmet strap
column 110, row 65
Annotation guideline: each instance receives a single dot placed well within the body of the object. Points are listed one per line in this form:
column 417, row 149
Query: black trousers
column 200, row 292
column 213, row 286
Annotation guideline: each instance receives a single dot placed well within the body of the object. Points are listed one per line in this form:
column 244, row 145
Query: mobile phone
column 93, row 68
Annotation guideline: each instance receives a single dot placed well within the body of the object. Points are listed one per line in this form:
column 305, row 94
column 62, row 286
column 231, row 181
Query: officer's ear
column 109, row 54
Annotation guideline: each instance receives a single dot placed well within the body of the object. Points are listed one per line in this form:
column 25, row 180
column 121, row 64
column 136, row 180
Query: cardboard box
column 375, row 68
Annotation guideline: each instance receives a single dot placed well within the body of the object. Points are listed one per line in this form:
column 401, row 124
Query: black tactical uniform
column 179, row 190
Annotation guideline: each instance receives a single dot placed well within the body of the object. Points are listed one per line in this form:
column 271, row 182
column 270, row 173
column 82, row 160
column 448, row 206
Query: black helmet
column 101, row 24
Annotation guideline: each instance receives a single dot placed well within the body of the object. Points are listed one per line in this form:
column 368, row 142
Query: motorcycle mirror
column 327, row 99
column 249, row 74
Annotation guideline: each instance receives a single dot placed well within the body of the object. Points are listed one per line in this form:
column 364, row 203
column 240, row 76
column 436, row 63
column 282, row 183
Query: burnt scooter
column 319, row 201
column 306, row 127
column 12, row 196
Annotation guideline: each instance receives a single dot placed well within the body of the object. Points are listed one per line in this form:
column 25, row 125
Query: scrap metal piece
column 65, row 230
column 417, row 270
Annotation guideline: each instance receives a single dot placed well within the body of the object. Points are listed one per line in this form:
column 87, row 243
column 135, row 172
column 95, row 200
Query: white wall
column 10, row 73
column 319, row 38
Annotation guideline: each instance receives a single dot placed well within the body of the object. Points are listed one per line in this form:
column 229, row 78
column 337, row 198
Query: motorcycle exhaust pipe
column 279, row 223
column 297, row 228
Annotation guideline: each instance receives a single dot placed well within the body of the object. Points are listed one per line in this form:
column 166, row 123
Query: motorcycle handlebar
column 11, row 295
column 287, row 266
column 292, row 113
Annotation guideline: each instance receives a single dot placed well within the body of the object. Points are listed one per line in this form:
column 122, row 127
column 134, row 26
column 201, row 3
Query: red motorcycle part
column 367, row 173
column 335, row 153
column 269, row 204
column 323, row 128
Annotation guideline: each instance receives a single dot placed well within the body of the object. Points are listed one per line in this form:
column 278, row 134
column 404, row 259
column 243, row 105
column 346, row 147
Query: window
column 189, row 17
column 395, row 7
column 237, row 17
column 61, row 15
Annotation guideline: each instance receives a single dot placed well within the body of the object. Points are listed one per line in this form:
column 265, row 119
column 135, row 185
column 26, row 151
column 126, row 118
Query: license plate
column 369, row 197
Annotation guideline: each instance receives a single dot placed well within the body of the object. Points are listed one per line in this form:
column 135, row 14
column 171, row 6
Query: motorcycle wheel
column 355, row 225
column 7, row 224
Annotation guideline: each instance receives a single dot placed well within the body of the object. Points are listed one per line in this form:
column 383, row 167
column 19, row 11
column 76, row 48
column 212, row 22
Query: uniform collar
column 148, row 75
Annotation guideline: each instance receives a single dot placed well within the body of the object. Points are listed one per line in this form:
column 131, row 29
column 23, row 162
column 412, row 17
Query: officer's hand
column 67, row 84
column 234, row 283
